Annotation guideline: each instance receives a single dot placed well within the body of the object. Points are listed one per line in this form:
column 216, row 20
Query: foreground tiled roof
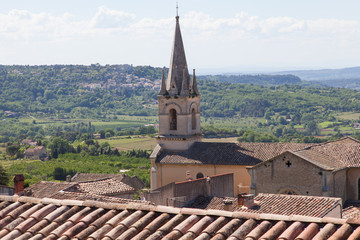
column 281, row 204
column 228, row 153
column 32, row 218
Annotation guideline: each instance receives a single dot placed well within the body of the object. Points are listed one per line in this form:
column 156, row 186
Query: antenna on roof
column 177, row 9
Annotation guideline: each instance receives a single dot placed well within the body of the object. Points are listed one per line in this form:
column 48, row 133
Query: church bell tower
column 179, row 102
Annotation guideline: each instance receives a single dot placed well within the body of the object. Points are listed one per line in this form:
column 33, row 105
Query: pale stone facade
column 330, row 169
column 290, row 174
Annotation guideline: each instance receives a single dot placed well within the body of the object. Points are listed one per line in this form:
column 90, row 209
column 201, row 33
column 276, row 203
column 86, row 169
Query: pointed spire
column 176, row 76
column 194, row 84
column 163, row 86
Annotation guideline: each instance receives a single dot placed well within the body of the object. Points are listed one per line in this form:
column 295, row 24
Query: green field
column 131, row 142
column 122, row 122
column 349, row 116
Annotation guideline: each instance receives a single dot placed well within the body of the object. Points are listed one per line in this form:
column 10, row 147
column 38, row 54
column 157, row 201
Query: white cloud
column 239, row 35
column 107, row 18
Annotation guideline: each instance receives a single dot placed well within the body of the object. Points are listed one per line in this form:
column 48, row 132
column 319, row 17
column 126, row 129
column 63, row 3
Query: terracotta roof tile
column 228, row 153
column 325, row 232
column 355, row 234
column 119, row 221
column 275, row 231
column 243, row 230
column 342, row 233
column 258, row 231
column 309, row 232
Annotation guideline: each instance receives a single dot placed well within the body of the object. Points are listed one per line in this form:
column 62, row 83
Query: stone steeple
column 178, row 79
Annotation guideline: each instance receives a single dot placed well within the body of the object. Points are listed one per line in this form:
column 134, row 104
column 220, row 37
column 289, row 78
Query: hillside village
column 198, row 190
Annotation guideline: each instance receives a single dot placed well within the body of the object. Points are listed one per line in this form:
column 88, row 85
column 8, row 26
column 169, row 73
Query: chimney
column 19, row 184
column 228, row 204
column 188, row 176
column 245, row 200
column 68, row 178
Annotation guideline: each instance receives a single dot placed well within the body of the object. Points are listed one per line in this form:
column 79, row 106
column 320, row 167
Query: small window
column 193, row 119
column 173, row 120
column 199, row 175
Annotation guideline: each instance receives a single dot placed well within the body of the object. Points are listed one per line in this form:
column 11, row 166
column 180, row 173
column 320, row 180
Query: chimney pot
column 19, row 183
column 246, row 200
column 228, row 203
column 68, row 178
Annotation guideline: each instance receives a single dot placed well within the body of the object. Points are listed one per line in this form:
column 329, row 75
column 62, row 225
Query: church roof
column 332, row 155
column 344, row 152
column 247, row 154
column 34, row 218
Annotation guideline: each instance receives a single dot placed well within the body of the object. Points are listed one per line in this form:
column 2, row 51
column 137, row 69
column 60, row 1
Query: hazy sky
column 227, row 35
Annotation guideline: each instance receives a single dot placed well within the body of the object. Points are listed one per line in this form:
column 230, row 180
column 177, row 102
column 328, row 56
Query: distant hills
column 344, row 77
column 263, row 79
column 325, row 74
column 339, row 78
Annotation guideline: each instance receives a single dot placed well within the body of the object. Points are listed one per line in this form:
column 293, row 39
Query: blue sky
column 219, row 36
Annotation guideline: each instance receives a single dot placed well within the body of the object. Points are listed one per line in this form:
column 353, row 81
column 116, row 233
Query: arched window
column 173, row 120
column 193, row 119
column 199, row 175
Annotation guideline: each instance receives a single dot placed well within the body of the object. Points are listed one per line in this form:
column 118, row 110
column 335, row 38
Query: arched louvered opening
column 193, row 119
column 173, row 119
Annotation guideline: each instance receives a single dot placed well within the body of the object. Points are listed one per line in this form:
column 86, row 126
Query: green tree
column 12, row 149
column 4, row 178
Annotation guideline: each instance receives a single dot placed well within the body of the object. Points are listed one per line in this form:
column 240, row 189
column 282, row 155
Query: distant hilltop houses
column 124, row 80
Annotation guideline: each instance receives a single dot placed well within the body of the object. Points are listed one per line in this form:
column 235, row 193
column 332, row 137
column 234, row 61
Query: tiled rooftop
column 228, row 153
column 104, row 187
column 344, row 152
column 32, row 218
column 86, row 196
column 332, row 155
column 108, row 187
column 134, row 181
column 281, row 204
column 84, row 177
column 351, row 209
column 47, row 189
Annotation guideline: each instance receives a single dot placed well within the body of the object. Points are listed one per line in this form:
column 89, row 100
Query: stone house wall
column 288, row 173
column 167, row 173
